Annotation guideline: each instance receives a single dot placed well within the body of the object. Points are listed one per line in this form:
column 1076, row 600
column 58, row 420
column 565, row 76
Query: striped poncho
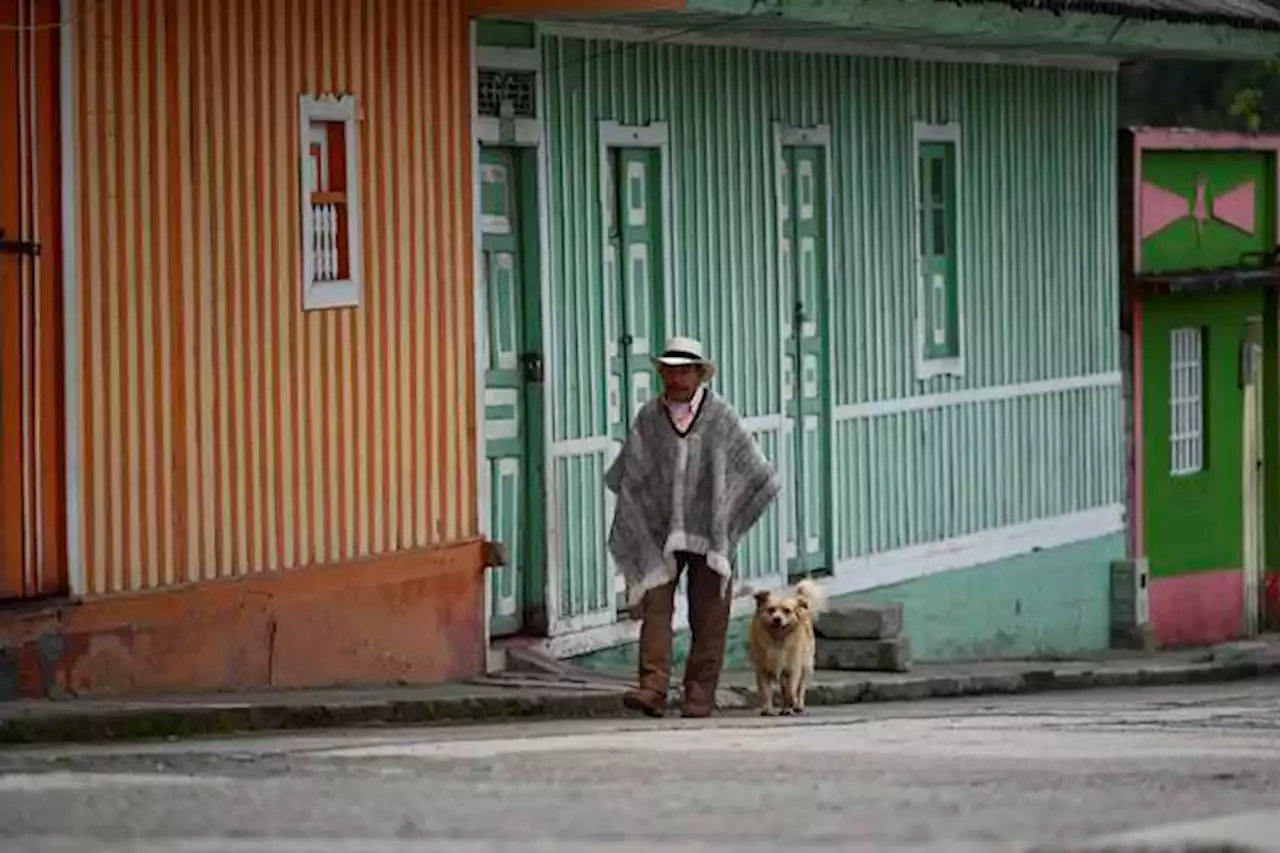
column 699, row 492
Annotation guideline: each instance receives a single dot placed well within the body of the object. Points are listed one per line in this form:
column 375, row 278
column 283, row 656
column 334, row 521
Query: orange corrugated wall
column 226, row 431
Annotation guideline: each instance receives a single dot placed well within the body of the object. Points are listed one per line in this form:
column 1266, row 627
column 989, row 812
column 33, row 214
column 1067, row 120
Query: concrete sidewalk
column 579, row 694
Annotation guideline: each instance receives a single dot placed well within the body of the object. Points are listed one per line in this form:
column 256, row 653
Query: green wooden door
column 1194, row 407
column 633, row 273
column 513, row 387
column 804, row 258
column 635, row 248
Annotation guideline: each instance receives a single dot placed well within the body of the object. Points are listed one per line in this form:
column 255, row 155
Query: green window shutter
column 937, row 228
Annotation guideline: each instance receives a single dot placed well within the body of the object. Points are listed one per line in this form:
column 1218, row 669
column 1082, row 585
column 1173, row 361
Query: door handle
column 18, row 247
column 532, row 363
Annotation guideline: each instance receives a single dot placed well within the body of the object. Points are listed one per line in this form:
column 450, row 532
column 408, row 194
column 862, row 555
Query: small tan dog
column 781, row 644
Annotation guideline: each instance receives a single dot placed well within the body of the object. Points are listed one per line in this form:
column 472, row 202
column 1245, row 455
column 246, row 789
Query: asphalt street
column 1062, row 770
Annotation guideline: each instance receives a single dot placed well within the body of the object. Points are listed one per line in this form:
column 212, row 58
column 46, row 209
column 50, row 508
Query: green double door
column 633, row 273
column 807, row 439
column 513, row 387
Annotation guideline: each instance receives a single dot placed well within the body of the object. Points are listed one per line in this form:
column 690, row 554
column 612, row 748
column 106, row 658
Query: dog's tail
column 813, row 595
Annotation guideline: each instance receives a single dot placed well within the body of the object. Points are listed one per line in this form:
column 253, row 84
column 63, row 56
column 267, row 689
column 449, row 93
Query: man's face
column 679, row 384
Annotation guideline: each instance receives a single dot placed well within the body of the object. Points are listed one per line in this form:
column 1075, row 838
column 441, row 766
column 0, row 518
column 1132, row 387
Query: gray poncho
column 699, row 493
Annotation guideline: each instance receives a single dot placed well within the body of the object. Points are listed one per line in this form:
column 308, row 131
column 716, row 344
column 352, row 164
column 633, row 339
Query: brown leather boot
column 650, row 698
column 709, row 623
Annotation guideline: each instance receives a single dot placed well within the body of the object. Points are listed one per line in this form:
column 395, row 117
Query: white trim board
column 992, row 394
column 505, row 58
column 989, row 546
column 818, row 136
column 71, row 379
column 763, row 423
column 779, row 42
column 874, row 571
column 571, row 447
column 488, row 131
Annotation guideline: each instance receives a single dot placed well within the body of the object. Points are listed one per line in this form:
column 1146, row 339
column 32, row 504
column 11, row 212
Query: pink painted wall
column 1199, row 609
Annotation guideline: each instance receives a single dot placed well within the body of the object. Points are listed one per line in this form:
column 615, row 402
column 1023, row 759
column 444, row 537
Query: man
column 690, row 482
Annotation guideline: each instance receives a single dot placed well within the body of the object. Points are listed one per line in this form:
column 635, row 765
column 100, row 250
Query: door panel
column 638, row 242
column 1194, row 409
column 513, row 382
column 804, row 259
column 634, row 278
column 32, row 530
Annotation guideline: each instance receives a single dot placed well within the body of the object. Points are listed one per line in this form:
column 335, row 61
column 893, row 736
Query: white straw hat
column 680, row 351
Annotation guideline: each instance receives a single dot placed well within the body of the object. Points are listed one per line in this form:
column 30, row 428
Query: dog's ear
column 762, row 597
column 802, row 603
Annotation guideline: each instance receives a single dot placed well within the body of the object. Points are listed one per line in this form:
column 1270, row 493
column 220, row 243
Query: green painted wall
column 1038, row 267
column 1194, row 520
column 1043, row 604
column 1190, row 244
column 1047, row 604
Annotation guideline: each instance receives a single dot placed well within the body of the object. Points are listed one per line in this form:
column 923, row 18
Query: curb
column 177, row 721
column 1030, row 681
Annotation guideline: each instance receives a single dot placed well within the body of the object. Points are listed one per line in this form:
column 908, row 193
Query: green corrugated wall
column 1038, row 264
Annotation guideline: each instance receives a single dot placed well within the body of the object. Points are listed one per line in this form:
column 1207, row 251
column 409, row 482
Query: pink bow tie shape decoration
column 1161, row 208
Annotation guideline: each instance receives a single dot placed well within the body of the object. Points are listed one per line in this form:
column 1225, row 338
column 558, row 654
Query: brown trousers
column 708, row 622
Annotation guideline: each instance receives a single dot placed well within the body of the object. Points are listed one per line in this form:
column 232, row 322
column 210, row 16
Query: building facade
column 237, row 382
column 1199, row 275
column 903, row 257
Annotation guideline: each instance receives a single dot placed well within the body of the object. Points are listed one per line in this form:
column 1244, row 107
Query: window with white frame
column 1186, row 401
column 330, row 163
column 938, row 315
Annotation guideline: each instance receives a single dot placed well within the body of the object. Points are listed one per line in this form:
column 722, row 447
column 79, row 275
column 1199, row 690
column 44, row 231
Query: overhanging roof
column 1240, row 14
column 1114, row 30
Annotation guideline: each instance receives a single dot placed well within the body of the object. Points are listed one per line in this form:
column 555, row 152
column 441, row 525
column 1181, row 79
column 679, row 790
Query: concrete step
column 861, row 620
column 888, row 655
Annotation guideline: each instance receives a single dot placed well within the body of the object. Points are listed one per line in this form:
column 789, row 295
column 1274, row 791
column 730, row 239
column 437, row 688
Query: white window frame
column 929, row 368
column 343, row 293
column 1186, row 403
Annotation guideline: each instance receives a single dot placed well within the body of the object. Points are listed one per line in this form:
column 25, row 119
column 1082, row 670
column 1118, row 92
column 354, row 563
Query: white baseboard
column 893, row 567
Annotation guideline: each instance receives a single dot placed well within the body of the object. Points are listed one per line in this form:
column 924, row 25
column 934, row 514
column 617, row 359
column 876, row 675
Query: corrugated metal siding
column 1039, row 270
column 916, row 477
column 225, row 430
